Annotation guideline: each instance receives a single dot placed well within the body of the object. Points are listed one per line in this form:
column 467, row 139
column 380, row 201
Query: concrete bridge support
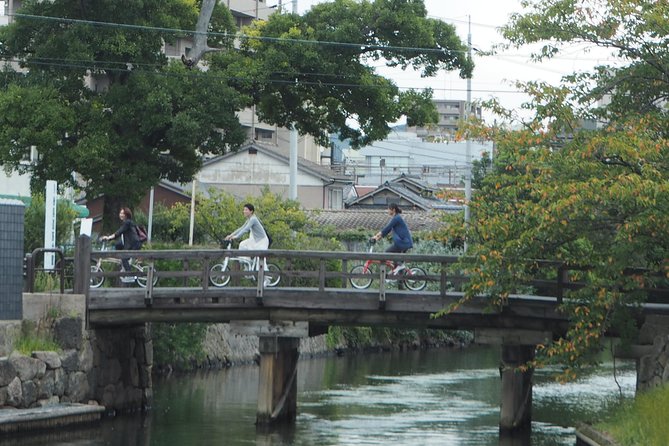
column 516, row 406
column 277, row 387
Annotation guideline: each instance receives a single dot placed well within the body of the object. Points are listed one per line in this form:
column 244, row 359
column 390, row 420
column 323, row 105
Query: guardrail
column 31, row 269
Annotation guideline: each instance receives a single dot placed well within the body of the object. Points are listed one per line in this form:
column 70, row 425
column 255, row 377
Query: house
column 251, row 168
column 391, row 192
column 407, row 192
column 415, row 185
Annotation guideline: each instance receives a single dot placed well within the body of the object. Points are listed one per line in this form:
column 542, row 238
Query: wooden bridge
column 314, row 293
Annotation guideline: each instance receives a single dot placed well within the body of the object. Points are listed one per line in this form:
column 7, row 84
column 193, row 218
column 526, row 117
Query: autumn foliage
column 584, row 181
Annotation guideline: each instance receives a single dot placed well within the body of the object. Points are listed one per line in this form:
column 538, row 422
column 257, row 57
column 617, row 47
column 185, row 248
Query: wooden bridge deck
column 331, row 306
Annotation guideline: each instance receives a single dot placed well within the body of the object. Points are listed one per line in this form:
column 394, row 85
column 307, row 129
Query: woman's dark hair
column 395, row 208
column 250, row 207
column 127, row 212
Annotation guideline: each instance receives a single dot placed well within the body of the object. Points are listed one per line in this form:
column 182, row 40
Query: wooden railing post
column 321, row 275
column 561, row 281
column 442, row 279
column 382, row 286
column 82, row 265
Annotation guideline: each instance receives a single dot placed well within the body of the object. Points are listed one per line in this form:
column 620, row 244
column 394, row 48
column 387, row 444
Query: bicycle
column 135, row 265
column 412, row 278
column 219, row 274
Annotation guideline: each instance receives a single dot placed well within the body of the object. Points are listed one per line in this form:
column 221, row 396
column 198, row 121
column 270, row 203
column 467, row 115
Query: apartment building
column 451, row 113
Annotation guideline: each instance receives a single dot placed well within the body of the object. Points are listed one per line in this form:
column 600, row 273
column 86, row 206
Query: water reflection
column 447, row 397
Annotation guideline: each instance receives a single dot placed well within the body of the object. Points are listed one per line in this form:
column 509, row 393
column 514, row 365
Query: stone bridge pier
column 122, row 364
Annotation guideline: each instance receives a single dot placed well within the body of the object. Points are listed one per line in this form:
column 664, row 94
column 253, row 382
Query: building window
column 264, row 135
column 336, row 198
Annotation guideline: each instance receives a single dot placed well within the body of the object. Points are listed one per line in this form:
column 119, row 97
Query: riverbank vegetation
column 642, row 421
column 37, row 336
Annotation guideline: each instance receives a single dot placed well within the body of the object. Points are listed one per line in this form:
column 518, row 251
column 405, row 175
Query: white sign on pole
column 50, row 223
column 86, row 226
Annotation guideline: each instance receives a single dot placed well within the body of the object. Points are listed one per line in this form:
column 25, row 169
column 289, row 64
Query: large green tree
column 97, row 96
column 591, row 196
column 102, row 100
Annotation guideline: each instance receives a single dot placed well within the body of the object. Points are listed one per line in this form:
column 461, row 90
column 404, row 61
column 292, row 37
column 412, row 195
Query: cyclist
column 402, row 241
column 129, row 238
column 257, row 235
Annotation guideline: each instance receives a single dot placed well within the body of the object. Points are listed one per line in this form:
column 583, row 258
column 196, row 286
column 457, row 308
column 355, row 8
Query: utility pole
column 468, row 150
column 292, row 192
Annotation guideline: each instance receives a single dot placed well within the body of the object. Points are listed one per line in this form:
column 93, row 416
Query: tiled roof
column 374, row 220
column 399, row 190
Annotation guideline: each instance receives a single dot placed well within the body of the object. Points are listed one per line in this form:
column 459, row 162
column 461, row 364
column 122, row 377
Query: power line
column 279, row 39
column 197, row 74
column 244, row 36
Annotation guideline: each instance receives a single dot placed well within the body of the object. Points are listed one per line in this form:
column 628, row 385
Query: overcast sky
column 493, row 75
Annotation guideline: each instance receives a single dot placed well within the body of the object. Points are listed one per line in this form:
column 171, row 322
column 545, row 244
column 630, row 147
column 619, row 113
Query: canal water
column 435, row 397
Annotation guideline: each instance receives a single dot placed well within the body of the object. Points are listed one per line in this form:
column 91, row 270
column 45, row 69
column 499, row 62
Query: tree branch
column 200, row 47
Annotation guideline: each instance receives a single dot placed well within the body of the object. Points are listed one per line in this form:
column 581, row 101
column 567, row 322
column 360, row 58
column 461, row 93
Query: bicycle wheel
column 218, row 275
column 142, row 280
column 272, row 275
column 96, row 281
column 414, row 278
column 361, row 283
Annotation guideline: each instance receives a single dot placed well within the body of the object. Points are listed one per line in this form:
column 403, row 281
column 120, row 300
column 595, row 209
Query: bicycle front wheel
column 142, row 280
column 219, row 275
column 414, row 278
column 361, row 283
column 96, row 281
column 272, row 275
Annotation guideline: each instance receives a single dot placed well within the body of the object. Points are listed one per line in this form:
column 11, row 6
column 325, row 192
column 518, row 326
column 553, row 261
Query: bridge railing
column 310, row 269
column 313, row 269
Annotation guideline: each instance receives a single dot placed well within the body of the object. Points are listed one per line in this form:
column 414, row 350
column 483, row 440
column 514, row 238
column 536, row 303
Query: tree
column 146, row 119
column 149, row 120
column 34, row 223
column 313, row 70
column 594, row 198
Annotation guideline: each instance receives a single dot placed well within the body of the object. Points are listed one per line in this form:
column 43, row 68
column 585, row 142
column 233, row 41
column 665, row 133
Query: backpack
column 141, row 233
column 269, row 237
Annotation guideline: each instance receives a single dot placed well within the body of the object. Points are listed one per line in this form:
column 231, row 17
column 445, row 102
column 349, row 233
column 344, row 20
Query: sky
column 493, row 75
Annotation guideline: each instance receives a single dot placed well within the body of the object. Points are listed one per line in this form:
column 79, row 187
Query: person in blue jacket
column 402, row 241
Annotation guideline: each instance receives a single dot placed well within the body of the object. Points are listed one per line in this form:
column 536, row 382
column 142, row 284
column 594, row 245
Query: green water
column 437, row 397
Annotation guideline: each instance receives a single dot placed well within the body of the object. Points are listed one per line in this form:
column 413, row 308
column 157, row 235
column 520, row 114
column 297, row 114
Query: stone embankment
column 106, row 367
column 653, row 368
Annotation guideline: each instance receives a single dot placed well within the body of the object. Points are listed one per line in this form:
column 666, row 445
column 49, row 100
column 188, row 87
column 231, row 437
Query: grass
column 641, row 422
column 29, row 344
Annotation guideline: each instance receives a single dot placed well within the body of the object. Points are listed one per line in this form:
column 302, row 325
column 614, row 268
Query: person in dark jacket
column 128, row 235
column 402, row 241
